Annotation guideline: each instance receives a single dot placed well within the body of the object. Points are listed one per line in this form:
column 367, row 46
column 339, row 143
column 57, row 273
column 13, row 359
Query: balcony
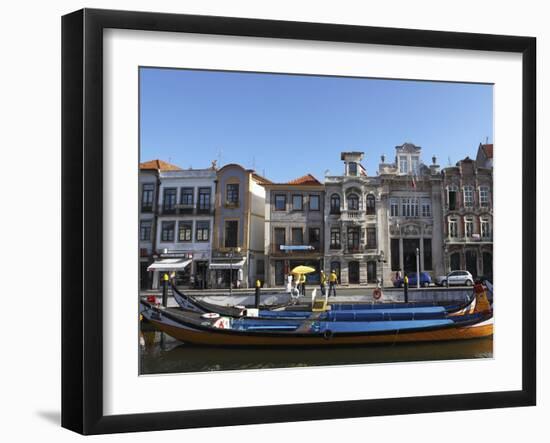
column 475, row 238
column 181, row 209
column 353, row 215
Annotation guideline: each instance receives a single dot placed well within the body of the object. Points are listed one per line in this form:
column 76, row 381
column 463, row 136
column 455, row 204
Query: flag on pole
column 413, row 181
column 362, row 170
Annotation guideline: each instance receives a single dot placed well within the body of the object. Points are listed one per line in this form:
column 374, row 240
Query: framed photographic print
column 262, row 217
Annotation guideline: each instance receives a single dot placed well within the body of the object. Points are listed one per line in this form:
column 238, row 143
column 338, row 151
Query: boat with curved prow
column 319, row 329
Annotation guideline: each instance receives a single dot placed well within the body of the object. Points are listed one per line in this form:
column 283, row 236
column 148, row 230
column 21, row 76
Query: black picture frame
column 82, row 188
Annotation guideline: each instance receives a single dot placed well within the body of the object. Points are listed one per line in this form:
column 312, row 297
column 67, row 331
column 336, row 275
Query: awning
column 169, row 264
column 227, row 265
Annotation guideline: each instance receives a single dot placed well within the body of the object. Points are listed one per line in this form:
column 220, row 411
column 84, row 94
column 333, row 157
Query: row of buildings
column 232, row 226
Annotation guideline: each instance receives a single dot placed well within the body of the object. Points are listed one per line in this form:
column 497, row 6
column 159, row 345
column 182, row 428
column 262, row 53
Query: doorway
column 371, row 272
column 353, row 272
column 409, row 254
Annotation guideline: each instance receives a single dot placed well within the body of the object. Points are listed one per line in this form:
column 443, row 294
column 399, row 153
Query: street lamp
column 231, row 254
column 382, row 261
column 417, row 268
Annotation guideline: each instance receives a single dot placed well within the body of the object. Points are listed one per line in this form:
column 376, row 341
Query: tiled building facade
column 467, row 193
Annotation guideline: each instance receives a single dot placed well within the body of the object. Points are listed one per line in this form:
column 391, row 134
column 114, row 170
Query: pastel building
column 185, row 222
column 294, row 228
column 238, row 256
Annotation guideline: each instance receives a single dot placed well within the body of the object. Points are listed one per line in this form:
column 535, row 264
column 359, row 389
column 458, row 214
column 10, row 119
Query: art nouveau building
column 294, row 228
column 467, row 193
column 238, row 256
column 410, row 216
column 352, row 237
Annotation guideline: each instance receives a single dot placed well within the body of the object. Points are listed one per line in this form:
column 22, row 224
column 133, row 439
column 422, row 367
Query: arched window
column 335, row 204
column 371, row 205
column 353, row 202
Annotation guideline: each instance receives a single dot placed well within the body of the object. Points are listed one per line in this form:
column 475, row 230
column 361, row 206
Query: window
column 231, row 233
column 352, row 168
column 414, row 165
column 484, row 227
column 335, row 238
column 426, row 207
column 279, row 235
column 371, row 238
column 185, row 231
column 147, row 195
column 371, row 204
column 280, row 202
column 145, row 230
column 468, row 226
column 353, row 202
column 167, row 231
column 394, row 207
column 313, row 202
column 453, row 227
column 297, row 236
column 427, row 254
column 403, row 165
column 468, row 196
column 353, row 239
column 232, row 194
column 315, row 237
column 203, row 230
column 169, row 200
column 394, row 245
column 297, row 202
column 484, row 196
column 204, row 200
column 409, row 207
column 335, row 204
column 186, row 198
column 451, row 196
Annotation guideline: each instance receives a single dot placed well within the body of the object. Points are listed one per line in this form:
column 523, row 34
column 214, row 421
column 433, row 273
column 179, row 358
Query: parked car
column 458, row 278
column 425, row 280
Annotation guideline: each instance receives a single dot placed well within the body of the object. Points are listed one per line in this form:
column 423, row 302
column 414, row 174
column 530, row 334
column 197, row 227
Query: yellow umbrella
column 303, row 270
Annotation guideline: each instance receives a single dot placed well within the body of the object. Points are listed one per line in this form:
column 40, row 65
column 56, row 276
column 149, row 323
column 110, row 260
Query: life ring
column 377, row 293
column 210, row 315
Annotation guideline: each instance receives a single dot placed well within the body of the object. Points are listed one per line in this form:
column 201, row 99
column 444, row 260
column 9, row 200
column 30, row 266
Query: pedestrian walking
column 323, row 282
column 257, row 294
column 289, row 283
column 303, row 280
column 406, row 288
column 332, row 281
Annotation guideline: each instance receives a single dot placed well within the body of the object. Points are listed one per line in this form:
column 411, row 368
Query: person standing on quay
column 303, row 283
column 323, row 282
column 332, row 280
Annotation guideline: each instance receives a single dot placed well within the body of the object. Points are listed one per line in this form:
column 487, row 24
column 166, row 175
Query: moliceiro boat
column 323, row 327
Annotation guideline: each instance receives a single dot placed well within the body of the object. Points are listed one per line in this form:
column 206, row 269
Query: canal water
column 161, row 354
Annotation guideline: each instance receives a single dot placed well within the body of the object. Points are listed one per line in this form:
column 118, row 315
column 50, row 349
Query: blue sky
column 288, row 125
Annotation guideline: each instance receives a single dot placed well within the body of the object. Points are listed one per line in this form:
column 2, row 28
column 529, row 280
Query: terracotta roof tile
column 308, row 180
column 158, row 165
column 488, row 149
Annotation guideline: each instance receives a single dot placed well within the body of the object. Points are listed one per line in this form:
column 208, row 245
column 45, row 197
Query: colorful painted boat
column 474, row 321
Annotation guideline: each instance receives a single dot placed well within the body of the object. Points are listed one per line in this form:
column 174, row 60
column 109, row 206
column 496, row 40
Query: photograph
column 302, row 220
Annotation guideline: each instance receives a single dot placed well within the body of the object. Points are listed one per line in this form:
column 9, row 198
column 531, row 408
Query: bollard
column 165, row 290
column 257, row 294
